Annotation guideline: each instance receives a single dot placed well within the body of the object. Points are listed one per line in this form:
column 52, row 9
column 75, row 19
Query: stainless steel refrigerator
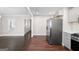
column 54, row 31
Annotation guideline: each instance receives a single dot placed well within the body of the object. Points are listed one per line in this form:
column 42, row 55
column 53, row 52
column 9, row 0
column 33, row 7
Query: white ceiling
column 13, row 11
column 36, row 11
column 44, row 11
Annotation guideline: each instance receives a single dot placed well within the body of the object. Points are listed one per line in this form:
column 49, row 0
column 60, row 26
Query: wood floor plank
column 39, row 43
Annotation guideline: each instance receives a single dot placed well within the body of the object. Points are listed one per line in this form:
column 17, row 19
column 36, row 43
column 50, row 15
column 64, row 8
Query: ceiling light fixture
column 0, row 16
column 37, row 13
column 50, row 13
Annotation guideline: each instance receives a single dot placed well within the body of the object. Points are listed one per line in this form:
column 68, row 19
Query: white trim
column 40, row 34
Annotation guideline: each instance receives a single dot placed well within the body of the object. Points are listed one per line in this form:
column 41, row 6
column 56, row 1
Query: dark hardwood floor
column 11, row 43
column 39, row 43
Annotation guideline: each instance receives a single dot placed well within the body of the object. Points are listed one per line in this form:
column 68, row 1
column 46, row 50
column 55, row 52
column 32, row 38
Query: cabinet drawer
column 66, row 42
column 66, row 39
column 66, row 34
column 67, row 45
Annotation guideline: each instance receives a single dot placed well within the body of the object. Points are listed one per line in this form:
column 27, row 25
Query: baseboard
column 39, row 35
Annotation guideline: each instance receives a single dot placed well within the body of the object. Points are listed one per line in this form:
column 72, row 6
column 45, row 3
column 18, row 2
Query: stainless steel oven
column 75, row 41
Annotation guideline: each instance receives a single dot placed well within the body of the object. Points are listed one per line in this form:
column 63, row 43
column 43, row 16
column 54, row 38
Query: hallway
column 39, row 43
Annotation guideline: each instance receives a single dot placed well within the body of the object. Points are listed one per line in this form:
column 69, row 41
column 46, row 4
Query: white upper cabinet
column 73, row 15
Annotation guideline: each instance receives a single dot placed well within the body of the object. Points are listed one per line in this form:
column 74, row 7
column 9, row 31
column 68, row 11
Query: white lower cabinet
column 67, row 40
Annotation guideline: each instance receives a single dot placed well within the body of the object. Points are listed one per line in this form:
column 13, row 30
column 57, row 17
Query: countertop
column 71, row 32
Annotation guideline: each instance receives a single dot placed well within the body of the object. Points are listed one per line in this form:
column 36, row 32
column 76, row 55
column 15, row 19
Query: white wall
column 19, row 25
column 75, row 27
column 39, row 25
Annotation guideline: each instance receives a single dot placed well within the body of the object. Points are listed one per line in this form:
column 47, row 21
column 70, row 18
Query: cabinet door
column 67, row 40
column 73, row 15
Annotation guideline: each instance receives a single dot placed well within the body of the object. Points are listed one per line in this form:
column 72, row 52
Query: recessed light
column 0, row 16
column 37, row 13
column 50, row 13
